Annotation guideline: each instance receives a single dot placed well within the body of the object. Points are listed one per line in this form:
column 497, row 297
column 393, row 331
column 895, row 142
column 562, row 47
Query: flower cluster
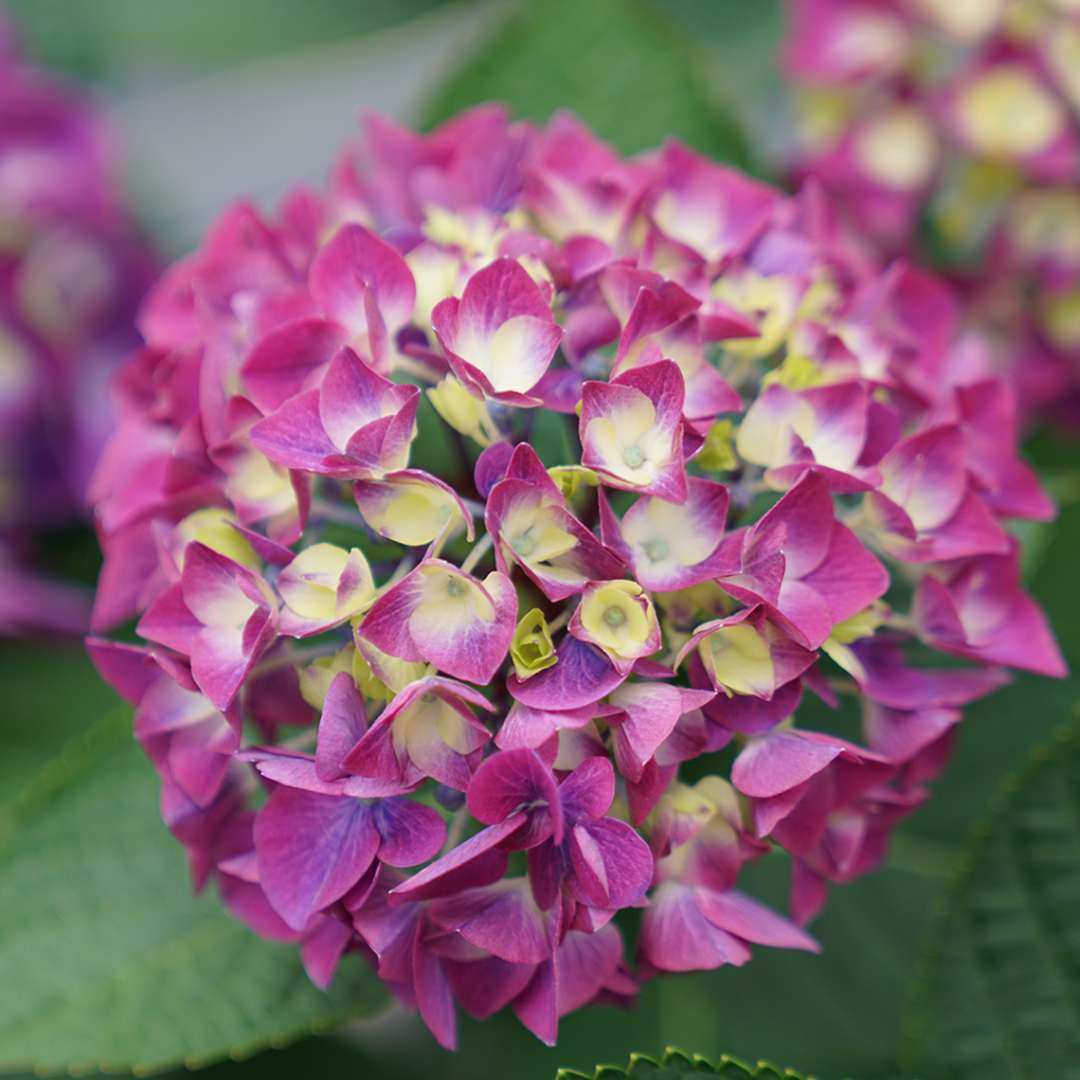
column 71, row 274
column 487, row 517
column 956, row 127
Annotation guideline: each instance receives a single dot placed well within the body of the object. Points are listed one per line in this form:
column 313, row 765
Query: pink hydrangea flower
column 964, row 121
column 688, row 457
column 73, row 270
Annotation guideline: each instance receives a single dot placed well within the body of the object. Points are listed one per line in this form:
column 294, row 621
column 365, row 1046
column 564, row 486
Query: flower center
column 634, row 456
column 614, row 617
column 657, row 549
column 455, row 588
column 524, row 543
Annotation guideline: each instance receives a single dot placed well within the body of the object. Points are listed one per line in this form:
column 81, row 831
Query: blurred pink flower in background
column 953, row 130
column 72, row 272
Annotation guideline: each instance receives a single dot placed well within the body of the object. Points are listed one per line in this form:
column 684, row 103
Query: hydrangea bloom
column 71, row 274
column 464, row 503
column 959, row 121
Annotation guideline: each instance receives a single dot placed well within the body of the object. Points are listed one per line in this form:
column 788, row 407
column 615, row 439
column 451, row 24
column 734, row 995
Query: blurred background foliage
column 214, row 99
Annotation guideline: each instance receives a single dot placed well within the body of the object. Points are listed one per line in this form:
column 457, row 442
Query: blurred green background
column 216, row 98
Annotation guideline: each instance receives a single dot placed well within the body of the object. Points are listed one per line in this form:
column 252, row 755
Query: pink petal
column 312, row 849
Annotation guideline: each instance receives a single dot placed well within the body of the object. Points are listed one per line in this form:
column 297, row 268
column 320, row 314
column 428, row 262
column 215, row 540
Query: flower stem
column 480, row 549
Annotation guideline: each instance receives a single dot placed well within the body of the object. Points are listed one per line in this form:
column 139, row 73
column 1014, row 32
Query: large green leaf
column 112, row 38
column 621, row 65
column 675, row 1065
column 742, row 40
column 1000, row 993
column 108, row 960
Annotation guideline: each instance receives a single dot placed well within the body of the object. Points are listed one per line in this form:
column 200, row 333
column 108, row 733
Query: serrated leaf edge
column 674, row 1056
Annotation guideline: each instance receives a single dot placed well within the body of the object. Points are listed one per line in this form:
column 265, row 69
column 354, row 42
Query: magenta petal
column 546, row 872
column 612, row 864
column 588, row 792
column 283, row 361
column 582, row 675
column 169, row 622
column 805, row 514
column 343, row 722
column 247, row 902
column 483, row 987
column 322, row 949
column 295, row 770
column 434, row 995
column 512, row 780
column 584, row 963
column 751, row 921
column 476, row 654
column 491, row 466
column 776, row 763
column 465, row 866
column 411, row 832
column 355, row 266
column 294, row 436
column 675, row 936
column 502, row 919
column 312, row 849
column 527, row 728
column 129, row 669
column 537, row 1008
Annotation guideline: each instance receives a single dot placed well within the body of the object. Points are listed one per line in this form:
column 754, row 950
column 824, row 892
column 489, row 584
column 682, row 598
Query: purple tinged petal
column 514, row 780
column 588, row 792
column 247, row 902
column 434, row 995
column 129, row 669
column 322, row 949
column 357, row 270
column 546, row 872
column 612, row 864
column 491, row 466
column 294, row 436
column 286, row 360
column 528, row 728
column 671, row 546
column 343, row 722
column 483, row 987
column 312, row 849
column 631, row 430
column 296, row 770
column 441, row 615
column 584, row 964
column 474, row 862
column 427, row 729
column 900, row 735
column 501, row 336
column 581, row 676
column 777, row 763
column 675, row 936
column 411, row 832
column 751, row 921
column 169, row 622
column 537, row 1008
column 502, row 919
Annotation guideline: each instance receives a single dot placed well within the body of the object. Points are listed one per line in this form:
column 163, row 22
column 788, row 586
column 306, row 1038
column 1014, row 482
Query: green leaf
column 676, row 1065
column 1000, row 989
column 621, row 65
column 108, row 960
column 111, row 38
column 742, row 40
